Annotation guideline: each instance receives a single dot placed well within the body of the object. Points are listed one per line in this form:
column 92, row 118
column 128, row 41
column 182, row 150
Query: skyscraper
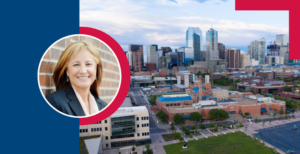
column 212, row 51
column 281, row 39
column 233, row 58
column 258, row 50
column 137, row 57
column 194, row 40
column 165, row 50
column 129, row 57
column 152, row 54
column 221, row 48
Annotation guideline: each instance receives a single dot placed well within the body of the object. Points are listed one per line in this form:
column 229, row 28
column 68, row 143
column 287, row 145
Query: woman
column 77, row 77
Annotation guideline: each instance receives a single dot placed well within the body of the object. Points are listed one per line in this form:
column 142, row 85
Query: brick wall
column 111, row 71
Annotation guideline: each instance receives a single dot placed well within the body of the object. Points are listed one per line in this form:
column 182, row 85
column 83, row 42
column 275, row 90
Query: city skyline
column 165, row 22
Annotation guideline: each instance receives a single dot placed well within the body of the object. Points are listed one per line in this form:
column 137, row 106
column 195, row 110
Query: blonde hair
column 60, row 75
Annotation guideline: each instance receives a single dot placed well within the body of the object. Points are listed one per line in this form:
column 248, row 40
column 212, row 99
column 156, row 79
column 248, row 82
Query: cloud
column 224, row 0
column 173, row 1
column 217, row 3
column 135, row 22
column 201, row 1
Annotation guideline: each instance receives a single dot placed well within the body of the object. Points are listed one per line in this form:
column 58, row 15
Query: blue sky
column 164, row 22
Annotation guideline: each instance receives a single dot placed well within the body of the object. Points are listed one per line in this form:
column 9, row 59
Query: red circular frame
column 125, row 72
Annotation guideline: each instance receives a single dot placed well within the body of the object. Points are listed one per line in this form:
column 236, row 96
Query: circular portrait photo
column 79, row 75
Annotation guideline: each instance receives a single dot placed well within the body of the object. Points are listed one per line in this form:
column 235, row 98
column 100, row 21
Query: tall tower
column 137, row 57
column 194, row 40
column 152, row 54
column 212, row 51
column 258, row 50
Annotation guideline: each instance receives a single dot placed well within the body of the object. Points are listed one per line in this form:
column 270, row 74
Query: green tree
column 193, row 127
column 281, row 112
column 195, row 116
column 246, row 128
column 287, row 88
column 211, row 125
column 270, row 121
column 177, row 135
column 162, row 115
column 263, row 123
column 202, row 126
column 187, row 132
column 181, row 139
column 148, row 151
column 178, row 119
column 237, row 81
column 216, row 114
column 173, row 127
column 256, row 119
column 216, row 128
column 183, row 127
column 133, row 148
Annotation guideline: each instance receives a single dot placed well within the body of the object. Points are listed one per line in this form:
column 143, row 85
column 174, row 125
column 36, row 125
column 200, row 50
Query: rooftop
column 172, row 98
column 129, row 110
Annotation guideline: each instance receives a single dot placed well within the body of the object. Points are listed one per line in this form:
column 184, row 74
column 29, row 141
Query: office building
column 221, row 48
column 212, row 52
column 180, row 57
column 137, row 57
column 194, row 40
column 165, row 50
column 245, row 60
column 126, row 127
column 129, row 58
column 233, row 57
column 281, row 39
column 275, row 60
column 152, row 54
column 258, row 50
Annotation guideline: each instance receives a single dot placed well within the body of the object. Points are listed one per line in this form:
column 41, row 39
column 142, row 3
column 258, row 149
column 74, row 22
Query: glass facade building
column 194, row 41
column 258, row 50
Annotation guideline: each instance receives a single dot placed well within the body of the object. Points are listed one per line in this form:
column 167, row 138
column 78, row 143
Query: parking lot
column 282, row 136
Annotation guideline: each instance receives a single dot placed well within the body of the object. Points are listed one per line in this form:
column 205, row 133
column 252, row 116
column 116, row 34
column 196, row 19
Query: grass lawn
column 169, row 137
column 81, row 143
column 221, row 144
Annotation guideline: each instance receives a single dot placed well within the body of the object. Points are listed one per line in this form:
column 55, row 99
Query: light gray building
column 129, row 58
column 258, row 50
column 281, row 39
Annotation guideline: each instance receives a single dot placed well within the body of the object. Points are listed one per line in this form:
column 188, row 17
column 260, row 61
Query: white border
column 51, row 76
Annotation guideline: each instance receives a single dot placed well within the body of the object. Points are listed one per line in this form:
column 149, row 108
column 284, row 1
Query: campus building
column 126, row 127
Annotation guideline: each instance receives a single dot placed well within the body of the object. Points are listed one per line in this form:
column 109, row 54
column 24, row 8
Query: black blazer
column 65, row 100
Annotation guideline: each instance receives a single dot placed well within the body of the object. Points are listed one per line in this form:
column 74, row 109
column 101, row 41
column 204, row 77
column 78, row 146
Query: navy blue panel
column 263, row 110
column 29, row 124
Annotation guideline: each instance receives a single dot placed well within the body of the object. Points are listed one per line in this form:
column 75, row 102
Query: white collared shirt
column 93, row 104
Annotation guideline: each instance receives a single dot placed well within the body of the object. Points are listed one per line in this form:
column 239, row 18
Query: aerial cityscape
column 204, row 93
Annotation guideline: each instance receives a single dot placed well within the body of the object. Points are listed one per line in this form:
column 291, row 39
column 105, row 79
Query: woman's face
column 81, row 69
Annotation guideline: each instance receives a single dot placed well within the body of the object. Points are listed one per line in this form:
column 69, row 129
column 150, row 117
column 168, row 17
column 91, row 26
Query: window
column 137, row 125
column 105, row 121
column 171, row 104
column 174, row 104
column 182, row 113
column 147, row 118
column 107, row 145
column 105, row 128
column 106, row 137
column 178, row 104
column 137, row 118
column 138, row 134
column 142, row 118
column 147, row 124
column 167, row 104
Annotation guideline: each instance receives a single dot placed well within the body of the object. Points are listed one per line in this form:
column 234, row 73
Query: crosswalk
column 153, row 128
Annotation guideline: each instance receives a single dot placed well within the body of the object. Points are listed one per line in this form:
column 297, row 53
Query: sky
column 165, row 22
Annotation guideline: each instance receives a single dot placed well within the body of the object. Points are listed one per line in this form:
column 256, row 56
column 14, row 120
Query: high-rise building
column 258, row 50
column 221, row 48
column 180, row 57
column 165, row 50
column 152, row 54
column 273, row 50
column 283, row 49
column 160, row 53
column 245, row 60
column 233, row 58
column 212, row 52
column 129, row 58
column 249, row 50
column 194, row 40
column 137, row 57
column 287, row 60
column 281, row 39
column 173, row 57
